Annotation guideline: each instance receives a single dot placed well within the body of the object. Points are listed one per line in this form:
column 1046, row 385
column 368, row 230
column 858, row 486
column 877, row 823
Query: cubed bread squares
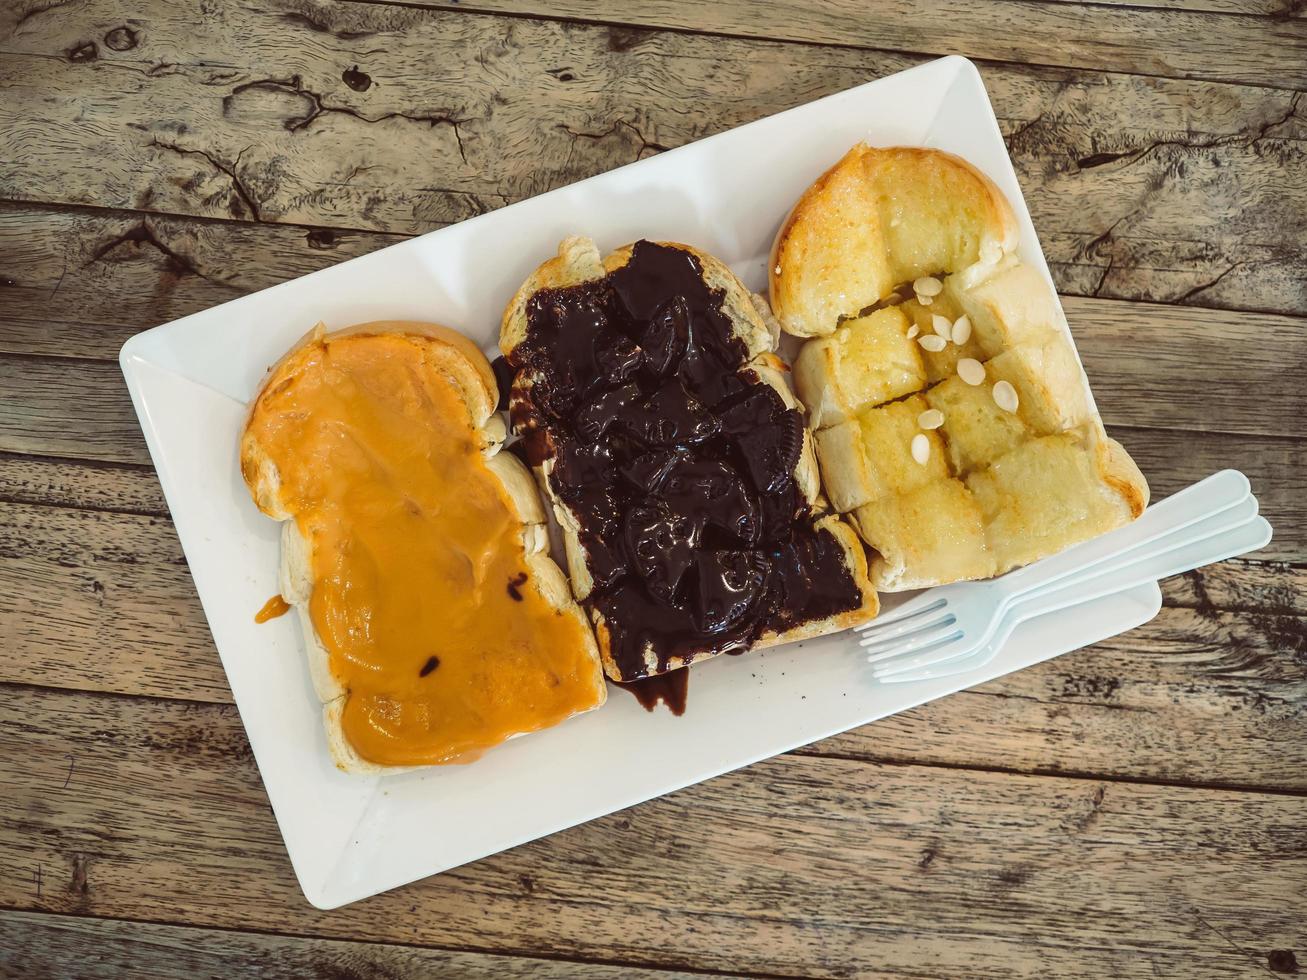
column 1055, row 491
column 975, row 429
column 870, row 457
column 1050, row 387
column 867, row 361
column 943, row 363
column 1010, row 306
column 934, row 532
column 867, row 461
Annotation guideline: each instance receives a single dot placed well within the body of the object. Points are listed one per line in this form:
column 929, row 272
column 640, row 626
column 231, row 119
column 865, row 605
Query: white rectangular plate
column 350, row 837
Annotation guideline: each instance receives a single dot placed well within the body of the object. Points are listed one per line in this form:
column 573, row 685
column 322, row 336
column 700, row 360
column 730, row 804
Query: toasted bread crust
column 842, row 247
column 458, row 359
column 578, row 261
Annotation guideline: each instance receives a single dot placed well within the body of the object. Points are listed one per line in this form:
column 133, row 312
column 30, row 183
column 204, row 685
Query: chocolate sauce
column 670, row 688
column 515, row 586
column 678, row 461
column 503, row 372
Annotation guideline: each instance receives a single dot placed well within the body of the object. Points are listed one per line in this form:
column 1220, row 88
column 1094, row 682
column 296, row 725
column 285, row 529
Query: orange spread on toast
column 419, row 570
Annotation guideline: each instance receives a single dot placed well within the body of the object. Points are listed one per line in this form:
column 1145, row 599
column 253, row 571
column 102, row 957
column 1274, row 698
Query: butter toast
column 954, row 424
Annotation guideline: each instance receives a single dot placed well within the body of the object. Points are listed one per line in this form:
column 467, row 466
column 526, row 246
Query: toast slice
column 414, row 551
column 879, row 218
column 655, row 412
column 954, row 423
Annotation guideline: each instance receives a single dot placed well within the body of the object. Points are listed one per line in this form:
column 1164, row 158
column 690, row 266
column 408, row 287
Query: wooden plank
column 1213, row 691
column 81, row 484
column 106, row 598
column 1172, row 460
column 1277, row 588
column 1158, row 703
column 1269, row 8
column 80, row 282
column 797, row 866
column 1260, row 50
column 1142, row 188
column 1181, row 43
column 41, row 945
column 64, row 407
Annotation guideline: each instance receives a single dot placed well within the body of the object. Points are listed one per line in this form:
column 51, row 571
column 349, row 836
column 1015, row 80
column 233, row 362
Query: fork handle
column 1195, row 503
column 1225, row 535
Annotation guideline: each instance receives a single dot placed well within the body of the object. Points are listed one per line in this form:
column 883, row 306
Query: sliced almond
column 941, row 325
column 1005, row 396
column 931, row 418
column 920, row 448
column 933, row 342
column 971, row 370
column 913, row 331
column 961, row 330
column 927, row 286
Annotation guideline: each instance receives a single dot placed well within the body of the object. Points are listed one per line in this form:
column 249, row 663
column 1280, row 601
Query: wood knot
column 1282, row 961
column 122, row 39
column 359, row 81
column 1014, row 876
column 322, row 238
column 624, row 38
column 77, row 885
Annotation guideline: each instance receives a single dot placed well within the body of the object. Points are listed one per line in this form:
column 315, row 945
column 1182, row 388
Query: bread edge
column 473, row 374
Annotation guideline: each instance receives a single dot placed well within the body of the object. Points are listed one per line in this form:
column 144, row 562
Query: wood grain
column 1265, row 50
column 1172, row 460
column 1268, row 8
column 816, row 866
column 65, row 407
column 1142, row 188
column 102, row 601
column 1134, row 809
column 1137, row 706
column 42, row 945
column 131, row 489
column 80, row 282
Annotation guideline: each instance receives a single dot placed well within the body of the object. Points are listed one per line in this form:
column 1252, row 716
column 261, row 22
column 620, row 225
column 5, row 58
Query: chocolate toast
column 654, row 411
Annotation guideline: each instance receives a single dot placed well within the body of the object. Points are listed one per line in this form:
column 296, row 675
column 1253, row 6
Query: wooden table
column 1136, row 809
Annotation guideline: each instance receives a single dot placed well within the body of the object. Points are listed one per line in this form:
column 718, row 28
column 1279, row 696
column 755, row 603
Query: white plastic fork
column 957, row 628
